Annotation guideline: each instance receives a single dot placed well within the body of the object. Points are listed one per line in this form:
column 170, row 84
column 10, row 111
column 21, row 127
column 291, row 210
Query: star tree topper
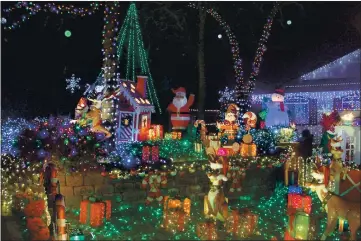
column 72, row 84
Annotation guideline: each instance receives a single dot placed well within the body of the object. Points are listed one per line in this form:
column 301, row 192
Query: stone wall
column 257, row 183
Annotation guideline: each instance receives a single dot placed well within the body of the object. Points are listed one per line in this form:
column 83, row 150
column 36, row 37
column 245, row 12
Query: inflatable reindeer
column 215, row 203
column 93, row 118
column 335, row 206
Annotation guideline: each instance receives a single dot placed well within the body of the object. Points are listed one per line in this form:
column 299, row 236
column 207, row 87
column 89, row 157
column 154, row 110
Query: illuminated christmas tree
column 130, row 43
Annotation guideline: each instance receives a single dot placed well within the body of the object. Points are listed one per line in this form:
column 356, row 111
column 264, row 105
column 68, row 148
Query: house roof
column 343, row 67
column 339, row 75
column 128, row 90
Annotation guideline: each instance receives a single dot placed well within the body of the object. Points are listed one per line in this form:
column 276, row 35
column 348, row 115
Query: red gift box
column 155, row 153
column 299, row 202
column 94, row 212
column 175, row 220
column 207, row 231
column 242, row 224
column 146, row 153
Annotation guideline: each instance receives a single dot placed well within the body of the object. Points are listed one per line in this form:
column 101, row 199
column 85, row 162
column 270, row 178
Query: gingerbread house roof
column 135, row 93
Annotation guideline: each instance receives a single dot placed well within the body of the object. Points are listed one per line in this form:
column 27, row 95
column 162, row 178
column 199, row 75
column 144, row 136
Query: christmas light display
column 56, row 140
column 350, row 100
column 32, row 9
column 261, row 49
column 10, row 130
column 326, row 71
column 72, row 84
column 226, row 97
column 237, row 61
column 244, row 89
column 130, row 34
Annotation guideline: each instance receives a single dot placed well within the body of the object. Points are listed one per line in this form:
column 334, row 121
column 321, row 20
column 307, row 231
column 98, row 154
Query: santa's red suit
column 179, row 109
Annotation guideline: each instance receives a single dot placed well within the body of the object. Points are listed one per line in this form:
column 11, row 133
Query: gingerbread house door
column 126, row 126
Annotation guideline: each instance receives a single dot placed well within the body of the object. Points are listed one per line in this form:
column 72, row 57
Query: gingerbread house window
column 299, row 110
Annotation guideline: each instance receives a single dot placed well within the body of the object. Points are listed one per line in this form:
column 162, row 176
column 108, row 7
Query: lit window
column 136, row 99
column 132, row 86
column 143, row 102
column 125, row 85
column 351, row 102
column 147, row 101
column 133, row 90
column 299, row 110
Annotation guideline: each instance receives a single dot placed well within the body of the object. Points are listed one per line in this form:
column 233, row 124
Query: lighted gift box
column 94, row 212
column 176, row 135
column 172, row 203
column 168, row 136
column 242, row 224
column 198, row 147
column 248, row 150
column 155, row 153
column 299, row 225
column 155, row 132
column 175, row 220
column 299, row 202
column 207, row 231
column 295, row 189
column 146, row 153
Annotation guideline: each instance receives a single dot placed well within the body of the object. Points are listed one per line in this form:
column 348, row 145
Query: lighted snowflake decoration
column 73, row 84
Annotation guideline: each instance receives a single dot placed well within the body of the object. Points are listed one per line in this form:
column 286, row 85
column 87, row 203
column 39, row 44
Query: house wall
column 76, row 187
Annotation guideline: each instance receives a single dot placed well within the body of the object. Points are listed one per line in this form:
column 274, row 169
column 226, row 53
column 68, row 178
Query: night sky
column 37, row 57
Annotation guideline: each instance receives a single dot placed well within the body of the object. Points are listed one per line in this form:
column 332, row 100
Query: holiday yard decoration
column 93, row 117
column 328, row 122
column 215, row 203
column 276, row 110
column 179, row 109
column 230, row 126
column 336, row 208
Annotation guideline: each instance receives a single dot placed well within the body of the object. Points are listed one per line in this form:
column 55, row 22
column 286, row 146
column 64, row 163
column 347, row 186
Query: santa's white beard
column 179, row 102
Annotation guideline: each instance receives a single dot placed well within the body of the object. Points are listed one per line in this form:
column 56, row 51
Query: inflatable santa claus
column 179, row 109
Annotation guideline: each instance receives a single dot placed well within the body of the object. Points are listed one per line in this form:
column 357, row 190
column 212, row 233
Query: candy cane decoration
column 250, row 120
column 60, row 218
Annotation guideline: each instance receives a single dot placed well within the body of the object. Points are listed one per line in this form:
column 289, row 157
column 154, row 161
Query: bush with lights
column 55, row 139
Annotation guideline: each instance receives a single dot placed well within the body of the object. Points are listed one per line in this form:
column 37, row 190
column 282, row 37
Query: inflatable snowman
column 277, row 111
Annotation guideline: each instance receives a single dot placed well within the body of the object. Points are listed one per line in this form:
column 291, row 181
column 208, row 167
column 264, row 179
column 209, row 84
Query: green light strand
column 150, row 82
column 129, row 31
column 133, row 46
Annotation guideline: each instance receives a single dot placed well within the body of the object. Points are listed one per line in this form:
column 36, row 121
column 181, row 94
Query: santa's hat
column 280, row 91
column 181, row 90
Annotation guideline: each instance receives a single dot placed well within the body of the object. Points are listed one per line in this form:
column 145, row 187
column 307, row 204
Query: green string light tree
column 130, row 42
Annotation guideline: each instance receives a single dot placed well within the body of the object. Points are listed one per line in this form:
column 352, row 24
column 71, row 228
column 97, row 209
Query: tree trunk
column 202, row 79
